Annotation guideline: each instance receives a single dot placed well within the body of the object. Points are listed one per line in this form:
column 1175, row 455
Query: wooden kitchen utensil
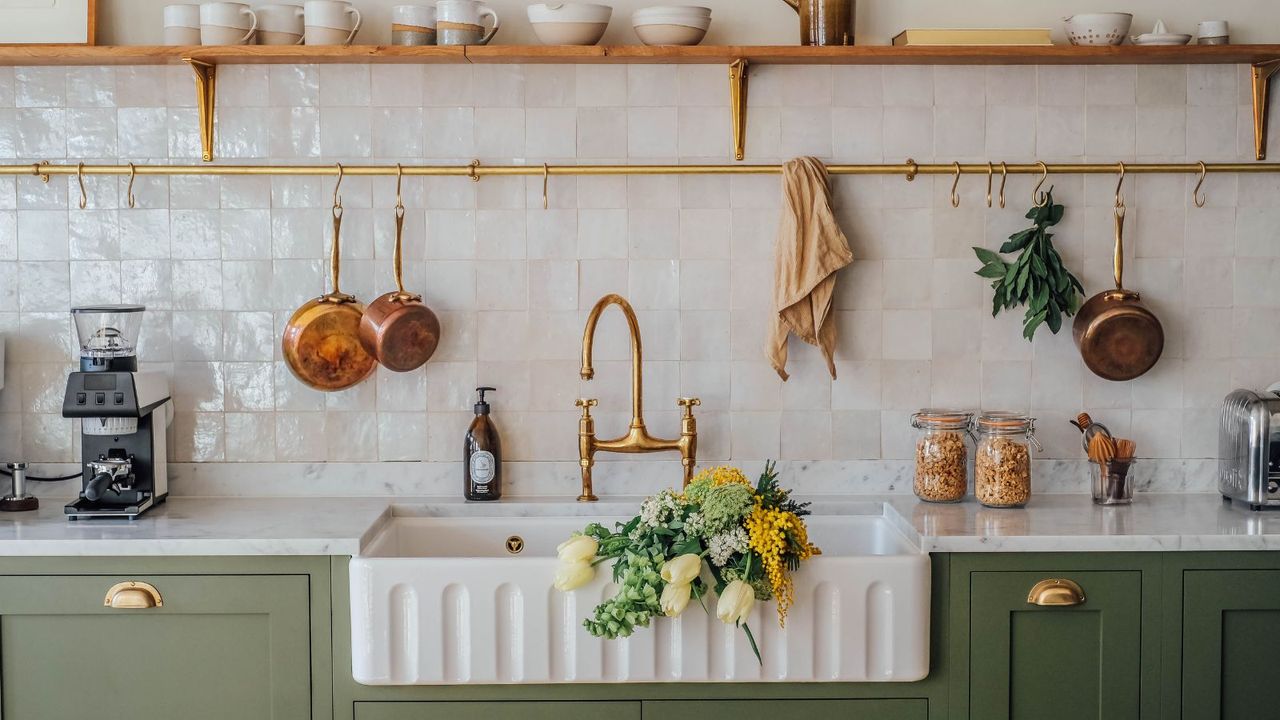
column 321, row 343
column 397, row 328
column 1102, row 448
column 1118, row 337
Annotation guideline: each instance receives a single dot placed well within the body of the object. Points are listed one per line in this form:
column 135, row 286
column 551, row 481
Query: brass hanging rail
column 908, row 169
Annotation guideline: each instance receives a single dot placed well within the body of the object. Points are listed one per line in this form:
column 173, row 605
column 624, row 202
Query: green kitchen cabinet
column 1046, row 662
column 1230, row 633
column 888, row 709
column 216, row 647
column 497, row 710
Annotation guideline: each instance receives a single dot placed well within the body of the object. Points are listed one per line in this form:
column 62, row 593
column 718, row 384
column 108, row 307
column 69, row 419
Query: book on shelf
column 973, row 36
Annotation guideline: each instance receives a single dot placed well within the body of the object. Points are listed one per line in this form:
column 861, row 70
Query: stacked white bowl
column 569, row 23
column 671, row 24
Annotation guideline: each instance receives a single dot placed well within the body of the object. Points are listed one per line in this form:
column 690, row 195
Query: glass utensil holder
column 1112, row 482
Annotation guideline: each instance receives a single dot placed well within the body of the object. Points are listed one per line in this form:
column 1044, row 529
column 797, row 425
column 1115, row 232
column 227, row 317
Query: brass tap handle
column 586, row 404
column 688, row 404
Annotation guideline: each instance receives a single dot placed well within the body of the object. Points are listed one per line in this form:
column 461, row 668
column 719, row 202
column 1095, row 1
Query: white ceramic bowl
column 1097, row 28
column 674, row 10
column 569, row 23
column 670, row 33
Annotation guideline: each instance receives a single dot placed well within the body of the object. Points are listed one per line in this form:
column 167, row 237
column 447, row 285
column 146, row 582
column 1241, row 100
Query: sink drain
column 515, row 544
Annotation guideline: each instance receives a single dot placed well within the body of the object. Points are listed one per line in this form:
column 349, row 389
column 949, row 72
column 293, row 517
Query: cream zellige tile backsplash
column 221, row 263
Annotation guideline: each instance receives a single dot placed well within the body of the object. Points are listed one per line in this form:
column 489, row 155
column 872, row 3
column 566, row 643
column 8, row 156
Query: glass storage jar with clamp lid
column 942, row 454
column 1002, row 464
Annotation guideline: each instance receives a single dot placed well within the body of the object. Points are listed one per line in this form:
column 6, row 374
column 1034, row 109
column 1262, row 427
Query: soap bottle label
column 482, row 467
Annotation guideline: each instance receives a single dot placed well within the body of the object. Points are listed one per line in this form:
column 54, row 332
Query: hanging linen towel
column 809, row 250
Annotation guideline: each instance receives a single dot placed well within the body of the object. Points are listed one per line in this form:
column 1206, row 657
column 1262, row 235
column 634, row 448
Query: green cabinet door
column 218, row 647
column 498, row 710
column 1055, row 662
column 1230, row 634
column 890, row 709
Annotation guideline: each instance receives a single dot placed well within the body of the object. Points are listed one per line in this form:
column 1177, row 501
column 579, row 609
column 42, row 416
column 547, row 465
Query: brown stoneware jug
column 825, row 22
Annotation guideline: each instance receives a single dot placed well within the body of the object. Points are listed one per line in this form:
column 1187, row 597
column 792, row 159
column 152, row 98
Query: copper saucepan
column 322, row 340
column 1118, row 337
column 397, row 328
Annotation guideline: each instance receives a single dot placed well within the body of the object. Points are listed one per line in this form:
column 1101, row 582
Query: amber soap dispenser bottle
column 482, row 461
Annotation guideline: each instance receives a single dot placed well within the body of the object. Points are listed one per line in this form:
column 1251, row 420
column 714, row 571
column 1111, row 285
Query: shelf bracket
column 205, row 84
column 738, row 106
column 1261, row 73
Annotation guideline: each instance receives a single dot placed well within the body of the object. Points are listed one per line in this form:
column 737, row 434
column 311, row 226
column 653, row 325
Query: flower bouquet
column 748, row 540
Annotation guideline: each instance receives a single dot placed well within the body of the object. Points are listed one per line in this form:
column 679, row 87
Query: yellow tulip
column 577, row 548
column 681, row 570
column 675, row 598
column 735, row 603
column 573, row 575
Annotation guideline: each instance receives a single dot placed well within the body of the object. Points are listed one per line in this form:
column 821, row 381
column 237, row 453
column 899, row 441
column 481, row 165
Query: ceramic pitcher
column 825, row 22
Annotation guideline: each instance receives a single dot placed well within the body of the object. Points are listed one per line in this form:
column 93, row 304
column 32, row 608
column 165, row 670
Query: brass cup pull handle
column 1056, row 592
column 133, row 595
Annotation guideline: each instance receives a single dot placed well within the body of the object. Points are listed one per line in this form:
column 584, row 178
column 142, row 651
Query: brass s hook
column 1040, row 199
column 1119, row 184
column 955, row 184
column 128, row 193
column 84, row 198
column 399, row 184
column 1004, row 177
column 991, row 172
column 337, row 199
column 471, row 172
column 546, row 176
column 1196, row 197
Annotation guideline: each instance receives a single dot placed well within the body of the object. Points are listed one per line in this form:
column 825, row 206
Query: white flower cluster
column 723, row 546
column 695, row 525
column 658, row 509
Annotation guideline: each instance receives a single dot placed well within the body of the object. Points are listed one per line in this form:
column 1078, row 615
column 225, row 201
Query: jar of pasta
column 942, row 454
column 1002, row 463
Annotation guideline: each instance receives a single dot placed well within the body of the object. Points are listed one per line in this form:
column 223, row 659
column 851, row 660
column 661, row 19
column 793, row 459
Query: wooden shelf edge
column 703, row 54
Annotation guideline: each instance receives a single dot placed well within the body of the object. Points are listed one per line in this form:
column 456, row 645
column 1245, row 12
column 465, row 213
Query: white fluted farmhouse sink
column 441, row 596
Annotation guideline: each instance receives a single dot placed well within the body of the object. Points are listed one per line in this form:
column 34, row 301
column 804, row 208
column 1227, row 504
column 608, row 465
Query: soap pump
column 482, row 461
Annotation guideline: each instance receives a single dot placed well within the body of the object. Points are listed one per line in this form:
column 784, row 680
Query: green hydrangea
column 697, row 490
column 724, row 506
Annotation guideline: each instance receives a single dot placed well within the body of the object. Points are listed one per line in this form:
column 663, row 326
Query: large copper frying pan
column 1118, row 337
column 322, row 340
column 397, row 328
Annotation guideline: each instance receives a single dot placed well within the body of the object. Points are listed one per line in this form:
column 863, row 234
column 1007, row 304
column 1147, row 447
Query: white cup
column 413, row 25
column 1212, row 29
column 458, row 22
column 227, row 23
column 182, row 25
column 330, row 22
column 280, row 24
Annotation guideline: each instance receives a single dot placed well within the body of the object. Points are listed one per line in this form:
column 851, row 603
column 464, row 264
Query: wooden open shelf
column 704, row 54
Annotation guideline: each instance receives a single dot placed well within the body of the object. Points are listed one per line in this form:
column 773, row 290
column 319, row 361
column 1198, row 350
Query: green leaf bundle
column 1038, row 278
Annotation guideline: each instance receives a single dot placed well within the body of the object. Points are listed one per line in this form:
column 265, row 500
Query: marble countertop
column 343, row 526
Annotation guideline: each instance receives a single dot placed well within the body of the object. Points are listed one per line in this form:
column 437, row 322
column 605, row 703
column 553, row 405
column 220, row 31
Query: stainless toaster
column 1249, row 448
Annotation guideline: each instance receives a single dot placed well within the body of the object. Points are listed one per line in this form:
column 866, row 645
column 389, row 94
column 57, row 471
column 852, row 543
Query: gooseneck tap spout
column 637, row 439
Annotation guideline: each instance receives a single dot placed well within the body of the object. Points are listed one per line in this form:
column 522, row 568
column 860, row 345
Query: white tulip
column 681, row 570
column 577, row 548
column 573, row 575
column 675, row 598
column 735, row 603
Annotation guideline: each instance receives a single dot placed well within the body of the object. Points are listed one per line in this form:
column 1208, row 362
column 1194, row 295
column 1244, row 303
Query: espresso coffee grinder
column 123, row 415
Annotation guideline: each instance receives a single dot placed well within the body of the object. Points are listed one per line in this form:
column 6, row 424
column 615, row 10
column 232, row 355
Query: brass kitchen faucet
column 637, row 439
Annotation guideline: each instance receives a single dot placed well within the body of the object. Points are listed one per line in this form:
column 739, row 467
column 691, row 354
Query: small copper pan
column 322, row 340
column 1118, row 337
column 397, row 328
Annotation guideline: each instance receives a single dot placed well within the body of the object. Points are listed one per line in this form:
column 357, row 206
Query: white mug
column 182, row 25
column 1212, row 28
column 280, row 24
column 328, row 22
column 225, row 23
column 413, row 25
column 458, row 22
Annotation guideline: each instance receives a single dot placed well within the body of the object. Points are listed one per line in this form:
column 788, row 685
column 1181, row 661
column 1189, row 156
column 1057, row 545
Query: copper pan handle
column 335, row 255
column 1119, row 258
column 396, row 254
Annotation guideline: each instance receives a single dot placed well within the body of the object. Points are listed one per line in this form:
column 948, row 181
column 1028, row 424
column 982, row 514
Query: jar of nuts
column 942, row 455
column 1002, row 464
